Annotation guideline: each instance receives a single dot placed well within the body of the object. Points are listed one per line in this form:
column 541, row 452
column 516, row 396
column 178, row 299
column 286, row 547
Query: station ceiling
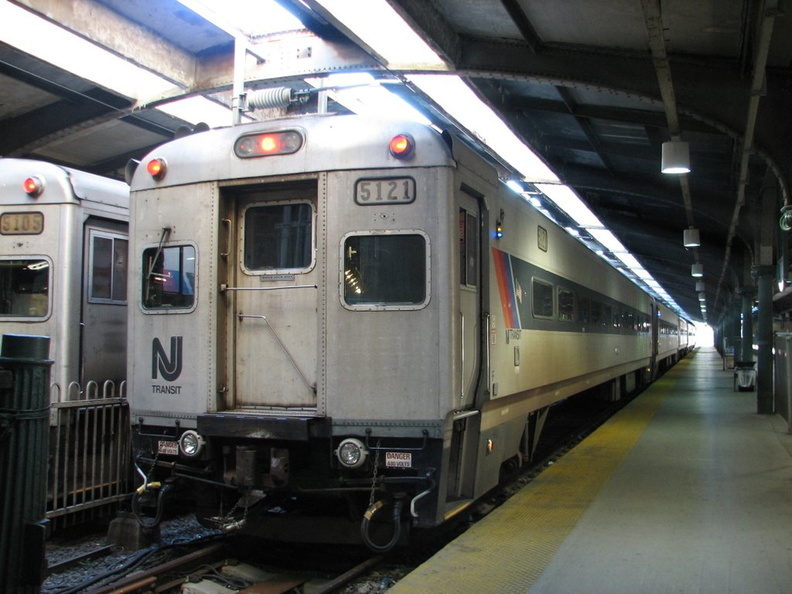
column 593, row 87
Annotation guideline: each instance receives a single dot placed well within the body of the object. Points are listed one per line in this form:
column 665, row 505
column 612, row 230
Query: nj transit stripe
column 503, row 272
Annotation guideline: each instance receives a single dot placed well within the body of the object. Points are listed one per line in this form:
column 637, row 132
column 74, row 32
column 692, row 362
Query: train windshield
column 169, row 277
column 24, row 288
column 385, row 270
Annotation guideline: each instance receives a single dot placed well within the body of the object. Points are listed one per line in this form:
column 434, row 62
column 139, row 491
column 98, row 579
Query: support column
column 746, row 355
column 764, row 339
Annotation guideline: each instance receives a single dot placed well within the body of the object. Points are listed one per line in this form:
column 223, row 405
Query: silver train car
column 340, row 316
column 63, row 270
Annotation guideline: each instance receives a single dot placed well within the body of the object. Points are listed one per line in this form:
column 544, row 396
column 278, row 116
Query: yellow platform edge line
column 508, row 551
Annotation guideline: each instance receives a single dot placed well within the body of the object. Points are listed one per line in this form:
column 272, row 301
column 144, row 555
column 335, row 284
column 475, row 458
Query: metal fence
column 89, row 472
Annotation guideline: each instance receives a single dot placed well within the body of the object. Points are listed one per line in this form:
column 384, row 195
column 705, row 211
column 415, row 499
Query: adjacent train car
column 337, row 315
column 63, row 269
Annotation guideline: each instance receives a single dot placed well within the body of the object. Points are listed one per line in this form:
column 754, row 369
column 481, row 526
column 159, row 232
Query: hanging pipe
column 420, row 495
column 398, row 502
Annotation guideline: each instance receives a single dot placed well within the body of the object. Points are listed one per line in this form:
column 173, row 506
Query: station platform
column 686, row 490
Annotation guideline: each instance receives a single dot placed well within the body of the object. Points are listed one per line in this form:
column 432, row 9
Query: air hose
column 159, row 495
column 373, row 510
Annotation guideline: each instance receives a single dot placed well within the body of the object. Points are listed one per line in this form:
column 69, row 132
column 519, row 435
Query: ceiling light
column 699, row 286
column 691, row 237
column 697, row 270
column 676, row 157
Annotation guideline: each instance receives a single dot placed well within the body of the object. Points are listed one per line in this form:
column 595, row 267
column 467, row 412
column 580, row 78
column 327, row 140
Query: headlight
column 351, row 452
column 190, row 443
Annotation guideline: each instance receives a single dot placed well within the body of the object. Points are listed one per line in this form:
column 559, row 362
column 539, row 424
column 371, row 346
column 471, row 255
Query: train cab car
column 63, row 269
column 342, row 316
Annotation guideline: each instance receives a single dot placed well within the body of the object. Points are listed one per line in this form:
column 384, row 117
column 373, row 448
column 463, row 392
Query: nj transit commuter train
column 63, row 270
column 337, row 315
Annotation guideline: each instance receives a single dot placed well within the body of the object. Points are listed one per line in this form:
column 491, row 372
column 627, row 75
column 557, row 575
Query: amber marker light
column 402, row 146
column 157, row 168
column 33, row 186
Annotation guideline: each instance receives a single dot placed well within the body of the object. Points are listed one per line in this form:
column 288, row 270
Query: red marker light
column 33, row 186
column 156, row 168
column 268, row 144
column 401, row 146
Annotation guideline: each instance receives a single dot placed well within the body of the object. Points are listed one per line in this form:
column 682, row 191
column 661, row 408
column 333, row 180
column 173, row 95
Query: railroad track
column 213, row 567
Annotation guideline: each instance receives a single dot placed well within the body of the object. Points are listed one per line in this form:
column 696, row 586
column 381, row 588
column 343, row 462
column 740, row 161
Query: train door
column 469, row 301
column 275, row 308
column 103, row 317
column 461, row 478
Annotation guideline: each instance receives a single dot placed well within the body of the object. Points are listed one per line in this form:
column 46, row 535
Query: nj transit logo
column 170, row 367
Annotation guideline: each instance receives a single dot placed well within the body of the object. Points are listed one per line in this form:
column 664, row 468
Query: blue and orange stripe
column 503, row 274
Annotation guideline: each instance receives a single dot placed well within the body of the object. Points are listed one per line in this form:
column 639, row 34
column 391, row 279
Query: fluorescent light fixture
column 608, row 240
column 630, row 261
column 250, row 17
column 60, row 47
column 197, row 109
column 361, row 93
column 566, row 199
column 697, row 270
column 458, row 99
column 675, row 157
column 383, row 30
column 515, row 187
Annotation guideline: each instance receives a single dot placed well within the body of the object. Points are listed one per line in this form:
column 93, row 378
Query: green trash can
column 24, row 441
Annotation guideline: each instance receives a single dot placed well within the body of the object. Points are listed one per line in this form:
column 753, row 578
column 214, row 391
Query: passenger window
column 169, row 277
column 24, row 288
column 566, row 305
column 584, row 310
column 597, row 316
column 385, row 271
column 108, row 268
column 278, row 237
column 542, row 303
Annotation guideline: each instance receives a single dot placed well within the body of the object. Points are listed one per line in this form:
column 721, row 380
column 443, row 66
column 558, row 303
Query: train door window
column 169, row 277
column 278, row 237
column 107, row 267
column 542, row 302
column 566, row 305
column 468, row 249
column 386, row 271
column 24, row 288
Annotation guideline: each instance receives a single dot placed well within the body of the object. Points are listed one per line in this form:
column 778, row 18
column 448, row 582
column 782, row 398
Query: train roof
column 209, row 155
column 61, row 185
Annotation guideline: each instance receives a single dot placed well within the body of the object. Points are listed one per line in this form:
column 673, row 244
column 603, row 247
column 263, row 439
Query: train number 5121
column 391, row 190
